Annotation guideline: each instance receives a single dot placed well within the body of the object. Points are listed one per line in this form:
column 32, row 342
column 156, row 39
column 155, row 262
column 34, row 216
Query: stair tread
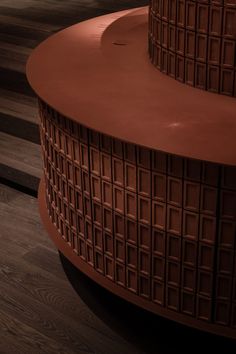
column 18, row 105
column 21, row 155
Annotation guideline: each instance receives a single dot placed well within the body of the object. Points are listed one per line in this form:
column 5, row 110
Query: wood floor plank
column 24, row 32
column 15, row 4
column 28, row 339
column 14, row 105
column 19, row 127
column 14, row 48
column 24, row 204
column 19, row 116
column 20, row 161
column 19, row 216
column 20, row 154
column 12, row 64
column 34, row 236
column 29, row 24
column 19, row 179
column 18, row 97
column 42, row 319
column 15, row 39
column 13, row 57
column 50, row 258
column 15, row 81
column 19, row 110
column 41, row 14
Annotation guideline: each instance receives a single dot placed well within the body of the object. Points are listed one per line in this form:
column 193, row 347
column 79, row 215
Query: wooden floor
column 46, row 305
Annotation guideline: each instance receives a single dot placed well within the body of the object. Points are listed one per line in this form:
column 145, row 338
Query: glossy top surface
column 98, row 73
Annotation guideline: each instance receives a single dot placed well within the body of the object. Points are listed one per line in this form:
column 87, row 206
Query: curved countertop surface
column 98, row 73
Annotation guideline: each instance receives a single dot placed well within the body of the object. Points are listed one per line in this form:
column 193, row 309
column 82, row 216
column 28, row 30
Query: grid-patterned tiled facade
column 159, row 225
column 194, row 42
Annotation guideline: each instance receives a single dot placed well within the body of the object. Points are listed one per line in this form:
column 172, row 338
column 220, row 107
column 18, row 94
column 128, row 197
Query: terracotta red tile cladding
column 152, row 227
column 194, row 42
column 159, row 225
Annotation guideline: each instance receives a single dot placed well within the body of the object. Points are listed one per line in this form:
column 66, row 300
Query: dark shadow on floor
column 147, row 332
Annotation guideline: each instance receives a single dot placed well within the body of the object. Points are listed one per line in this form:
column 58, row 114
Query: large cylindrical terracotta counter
column 139, row 187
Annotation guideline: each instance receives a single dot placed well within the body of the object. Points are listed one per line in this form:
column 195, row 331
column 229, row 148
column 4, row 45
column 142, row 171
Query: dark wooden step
column 15, row 39
column 19, row 128
column 19, row 115
column 20, row 161
column 15, row 81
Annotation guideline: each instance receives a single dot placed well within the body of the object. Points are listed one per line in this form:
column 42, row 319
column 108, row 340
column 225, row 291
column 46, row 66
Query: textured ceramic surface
column 194, row 42
column 158, row 225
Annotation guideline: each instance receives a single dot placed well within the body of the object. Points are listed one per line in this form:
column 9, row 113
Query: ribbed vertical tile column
column 194, row 41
